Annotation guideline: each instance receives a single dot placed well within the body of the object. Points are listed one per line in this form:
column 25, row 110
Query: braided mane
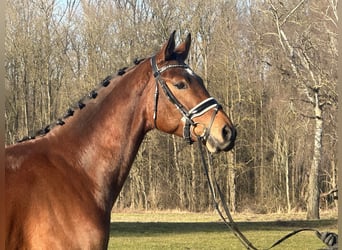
column 79, row 104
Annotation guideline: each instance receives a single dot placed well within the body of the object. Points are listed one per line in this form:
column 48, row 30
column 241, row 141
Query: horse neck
column 103, row 138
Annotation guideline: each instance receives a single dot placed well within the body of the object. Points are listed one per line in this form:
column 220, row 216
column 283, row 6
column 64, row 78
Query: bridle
column 187, row 115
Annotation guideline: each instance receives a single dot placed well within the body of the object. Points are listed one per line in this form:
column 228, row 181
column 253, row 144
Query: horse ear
column 183, row 49
column 168, row 48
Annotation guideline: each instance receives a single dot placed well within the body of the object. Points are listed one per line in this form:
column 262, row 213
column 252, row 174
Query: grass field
column 177, row 230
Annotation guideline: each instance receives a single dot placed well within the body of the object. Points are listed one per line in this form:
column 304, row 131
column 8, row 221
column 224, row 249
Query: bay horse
column 61, row 184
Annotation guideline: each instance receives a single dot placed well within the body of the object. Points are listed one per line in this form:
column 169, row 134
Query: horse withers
column 61, row 183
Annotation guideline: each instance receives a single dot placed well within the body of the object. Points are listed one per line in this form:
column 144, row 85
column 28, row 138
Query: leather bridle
column 187, row 115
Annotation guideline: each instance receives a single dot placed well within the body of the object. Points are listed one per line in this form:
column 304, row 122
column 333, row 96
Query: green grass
column 205, row 231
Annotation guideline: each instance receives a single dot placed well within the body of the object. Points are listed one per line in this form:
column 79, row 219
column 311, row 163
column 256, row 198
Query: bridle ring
column 201, row 133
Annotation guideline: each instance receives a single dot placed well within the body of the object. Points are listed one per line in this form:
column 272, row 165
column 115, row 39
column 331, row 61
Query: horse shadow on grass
column 143, row 228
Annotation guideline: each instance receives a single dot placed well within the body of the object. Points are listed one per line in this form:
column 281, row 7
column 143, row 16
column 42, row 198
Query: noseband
column 188, row 115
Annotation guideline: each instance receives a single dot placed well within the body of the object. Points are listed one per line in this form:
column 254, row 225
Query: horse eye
column 180, row 85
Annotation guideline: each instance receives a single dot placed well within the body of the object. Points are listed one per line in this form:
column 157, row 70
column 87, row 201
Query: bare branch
column 291, row 12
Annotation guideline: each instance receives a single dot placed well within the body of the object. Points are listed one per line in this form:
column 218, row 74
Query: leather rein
column 329, row 238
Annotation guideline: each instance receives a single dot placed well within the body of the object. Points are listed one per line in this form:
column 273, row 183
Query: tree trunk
column 334, row 178
column 151, row 180
column 181, row 180
column 231, row 181
column 313, row 192
column 287, row 178
column 194, row 177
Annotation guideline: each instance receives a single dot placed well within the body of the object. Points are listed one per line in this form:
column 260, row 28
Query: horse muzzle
column 223, row 140
column 215, row 130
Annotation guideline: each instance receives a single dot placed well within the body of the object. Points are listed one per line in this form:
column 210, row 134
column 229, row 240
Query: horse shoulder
column 47, row 204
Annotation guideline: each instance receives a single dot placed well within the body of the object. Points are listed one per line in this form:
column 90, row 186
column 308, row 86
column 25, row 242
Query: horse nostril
column 225, row 132
column 228, row 133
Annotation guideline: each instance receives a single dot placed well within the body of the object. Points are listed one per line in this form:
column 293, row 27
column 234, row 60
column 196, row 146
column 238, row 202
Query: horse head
column 182, row 105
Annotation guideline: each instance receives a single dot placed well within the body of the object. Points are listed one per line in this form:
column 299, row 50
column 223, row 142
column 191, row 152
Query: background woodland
column 271, row 64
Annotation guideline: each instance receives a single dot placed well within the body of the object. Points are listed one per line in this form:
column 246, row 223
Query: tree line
column 272, row 64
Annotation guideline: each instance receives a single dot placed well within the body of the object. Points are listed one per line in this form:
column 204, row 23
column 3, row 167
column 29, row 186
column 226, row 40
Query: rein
column 188, row 115
column 329, row 238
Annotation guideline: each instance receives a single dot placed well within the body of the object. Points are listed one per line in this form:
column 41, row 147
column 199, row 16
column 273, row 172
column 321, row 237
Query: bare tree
column 304, row 58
